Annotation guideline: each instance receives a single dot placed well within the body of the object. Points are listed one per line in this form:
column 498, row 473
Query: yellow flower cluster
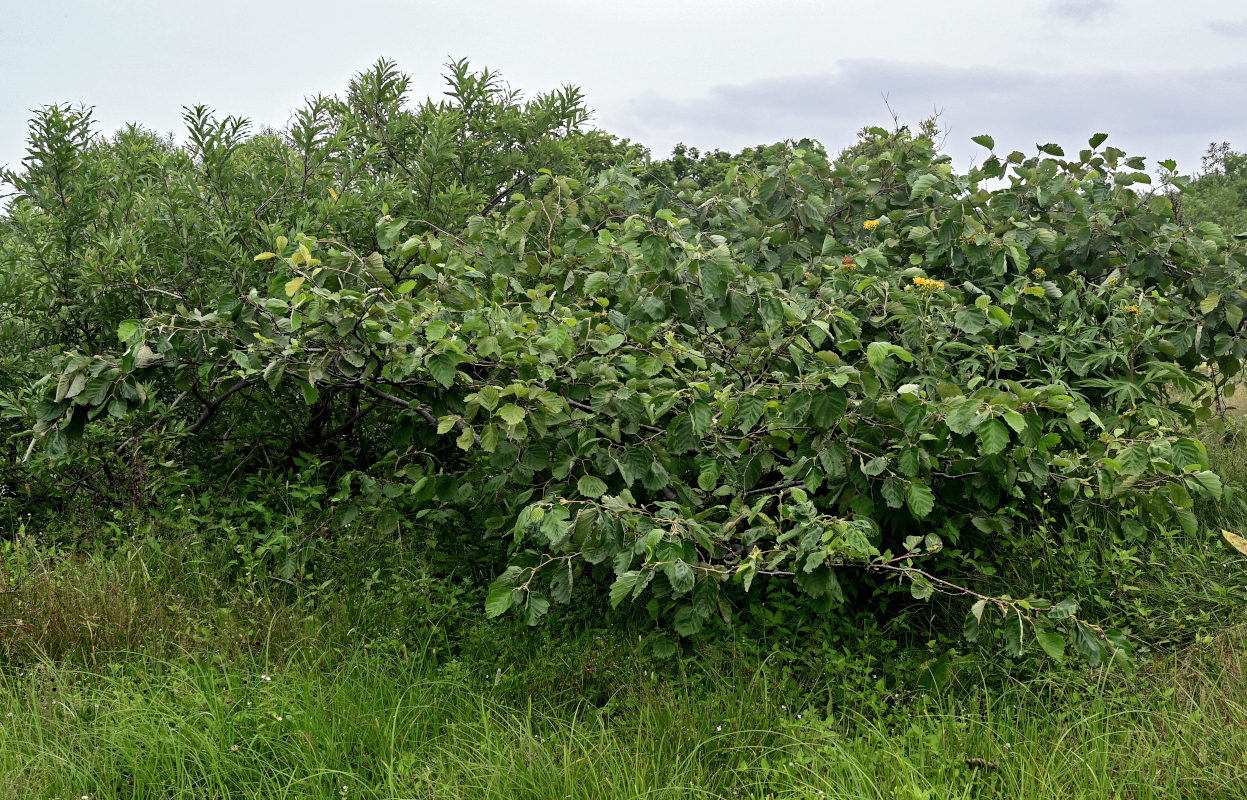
column 1038, row 272
column 1132, row 310
column 926, row 285
column 871, row 224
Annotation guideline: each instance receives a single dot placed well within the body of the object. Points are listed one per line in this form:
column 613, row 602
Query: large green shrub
column 835, row 374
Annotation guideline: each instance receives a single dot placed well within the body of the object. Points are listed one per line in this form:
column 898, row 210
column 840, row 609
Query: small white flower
column 719, row 728
column 265, row 678
column 280, row 718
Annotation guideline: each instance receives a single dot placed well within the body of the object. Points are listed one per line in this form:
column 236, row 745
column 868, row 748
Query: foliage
column 854, row 376
column 1219, row 193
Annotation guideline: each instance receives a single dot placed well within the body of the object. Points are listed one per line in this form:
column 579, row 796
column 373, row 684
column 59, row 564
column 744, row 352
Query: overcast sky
column 1162, row 78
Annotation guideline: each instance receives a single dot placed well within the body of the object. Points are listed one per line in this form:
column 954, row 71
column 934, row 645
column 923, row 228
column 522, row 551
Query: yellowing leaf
column 265, row 256
column 332, row 193
column 1235, row 541
column 293, row 285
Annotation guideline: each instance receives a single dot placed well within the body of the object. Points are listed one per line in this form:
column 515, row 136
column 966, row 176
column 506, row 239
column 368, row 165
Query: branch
column 216, row 402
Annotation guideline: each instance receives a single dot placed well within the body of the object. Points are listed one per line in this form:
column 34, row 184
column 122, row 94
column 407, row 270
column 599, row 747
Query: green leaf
column 974, row 619
column 512, row 414
column 498, row 601
column 877, row 352
column 623, row 586
column 1064, row 609
column 874, row 466
column 1052, row 643
column 681, row 577
column 442, row 367
column 687, row 622
column 750, row 409
column 994, row 436
column 293, row 285
column 387, row 521
column 127, row 330
column 1087, row 645
column 828, row 406
column 923, row 186
column 591, row 486
column 984, row 140
column 538, row 605
column 921, row 500
column 488, row 397
column 1097, row 140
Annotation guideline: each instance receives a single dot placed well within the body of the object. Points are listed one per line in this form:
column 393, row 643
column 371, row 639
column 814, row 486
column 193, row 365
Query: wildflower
column 929, row 286
column 265, row 678
column 1132, row 310
column 1038, row 272
column 991, row 349
column 871, row 224
column 718, row 727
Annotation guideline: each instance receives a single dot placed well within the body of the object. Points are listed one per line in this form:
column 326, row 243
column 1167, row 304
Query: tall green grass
column 199, row 726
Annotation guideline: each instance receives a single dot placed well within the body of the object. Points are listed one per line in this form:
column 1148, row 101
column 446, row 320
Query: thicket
column 861, row 380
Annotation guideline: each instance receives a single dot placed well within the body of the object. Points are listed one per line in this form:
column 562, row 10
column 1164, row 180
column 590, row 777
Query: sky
column 1163, row 79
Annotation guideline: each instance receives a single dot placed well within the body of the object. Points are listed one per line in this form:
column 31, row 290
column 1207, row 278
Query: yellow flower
column 927, row 285
column 991, row 349
column 1038, row 272
column 1132, row 310
column 871, row 224
column 848, row 263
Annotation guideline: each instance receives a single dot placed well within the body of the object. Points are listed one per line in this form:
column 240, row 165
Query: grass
column 181, row 694
column 199, row 726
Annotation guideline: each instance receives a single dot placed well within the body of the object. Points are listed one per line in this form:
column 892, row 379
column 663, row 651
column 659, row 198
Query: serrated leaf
column 623, row 586
column 1052, row 643
column 1087, row 645
column 127, row 329
column 983, row 140
column 893, row 492
column 921, row 499
column 591, row 486
column 512, row 414
column 488, row 397
column 442, row 367
column 498, row 601
column 537, row 606
column 994, row 436
column 1063, row 609
column 923, row 185
column 681, row 577
column 750, row 409
column 828, row 406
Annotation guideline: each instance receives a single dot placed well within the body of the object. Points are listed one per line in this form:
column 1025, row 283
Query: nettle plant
column 826, row 373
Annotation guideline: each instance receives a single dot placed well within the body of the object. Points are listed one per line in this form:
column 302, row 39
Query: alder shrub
column 848, row 375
